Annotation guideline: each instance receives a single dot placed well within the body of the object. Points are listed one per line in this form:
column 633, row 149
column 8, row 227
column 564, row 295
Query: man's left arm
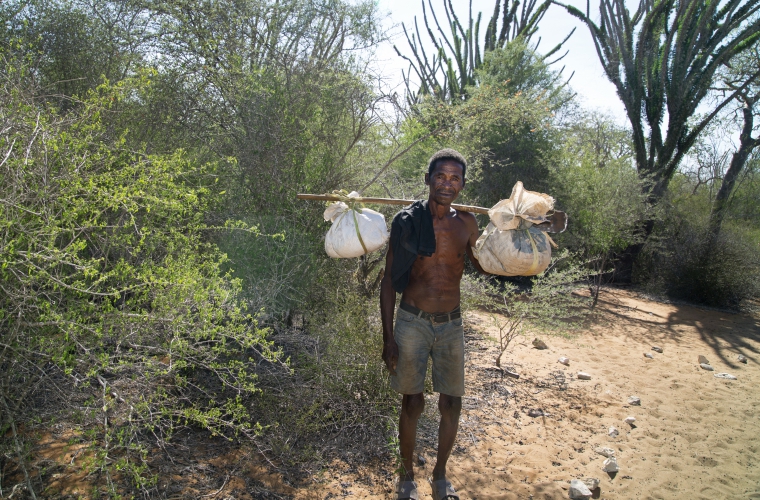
column 472, row 226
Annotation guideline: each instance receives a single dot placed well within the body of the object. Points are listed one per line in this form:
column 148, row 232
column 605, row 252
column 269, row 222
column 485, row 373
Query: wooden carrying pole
column 386, row 201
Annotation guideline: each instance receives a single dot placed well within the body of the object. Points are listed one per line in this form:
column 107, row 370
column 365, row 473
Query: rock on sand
column 591, row 483
column 579, row 490
column 610, row 465
column 605, row 452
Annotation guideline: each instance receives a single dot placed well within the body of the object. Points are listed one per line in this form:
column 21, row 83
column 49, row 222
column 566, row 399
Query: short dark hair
column 447, row 154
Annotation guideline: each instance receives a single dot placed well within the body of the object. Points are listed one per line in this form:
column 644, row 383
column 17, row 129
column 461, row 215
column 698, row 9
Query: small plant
column 547, row 303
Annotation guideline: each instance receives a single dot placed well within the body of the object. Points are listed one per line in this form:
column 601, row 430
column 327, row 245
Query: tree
column 74, row 45
column 663, row 59
column 596, row 182
column 747, row 95
column 451, row 72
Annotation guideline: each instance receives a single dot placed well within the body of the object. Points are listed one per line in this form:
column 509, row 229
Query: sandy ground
column 695, row 436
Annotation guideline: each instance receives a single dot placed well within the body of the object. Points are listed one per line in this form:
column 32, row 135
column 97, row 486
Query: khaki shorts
column 417, row 340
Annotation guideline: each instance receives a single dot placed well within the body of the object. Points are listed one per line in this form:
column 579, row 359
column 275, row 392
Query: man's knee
column 412, row 405
column 450, row 405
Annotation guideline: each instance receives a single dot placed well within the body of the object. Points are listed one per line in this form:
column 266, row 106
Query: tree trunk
column 738, row 160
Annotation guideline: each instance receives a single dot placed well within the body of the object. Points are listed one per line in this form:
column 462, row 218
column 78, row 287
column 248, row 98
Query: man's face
column 445, row 181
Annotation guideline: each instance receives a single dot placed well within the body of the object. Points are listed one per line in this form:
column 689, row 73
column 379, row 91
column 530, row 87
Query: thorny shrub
column 109, row 290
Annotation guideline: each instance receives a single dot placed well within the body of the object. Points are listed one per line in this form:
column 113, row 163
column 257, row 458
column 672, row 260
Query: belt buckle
column 446, row 318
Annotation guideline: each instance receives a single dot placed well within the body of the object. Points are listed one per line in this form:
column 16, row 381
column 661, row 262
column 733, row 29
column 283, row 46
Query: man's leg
column 411, row 409
column 450, row 408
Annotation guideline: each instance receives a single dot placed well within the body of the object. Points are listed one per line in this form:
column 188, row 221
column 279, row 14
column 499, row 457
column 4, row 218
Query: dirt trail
column 695, row 436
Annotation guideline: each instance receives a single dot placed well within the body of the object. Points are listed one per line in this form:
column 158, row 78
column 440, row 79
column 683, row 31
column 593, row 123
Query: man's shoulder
column 467, row 218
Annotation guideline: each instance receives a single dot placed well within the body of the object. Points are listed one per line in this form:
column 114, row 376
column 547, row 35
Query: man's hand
column 390, row 355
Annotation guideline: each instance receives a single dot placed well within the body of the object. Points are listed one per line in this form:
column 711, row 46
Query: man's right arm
column 387, row 305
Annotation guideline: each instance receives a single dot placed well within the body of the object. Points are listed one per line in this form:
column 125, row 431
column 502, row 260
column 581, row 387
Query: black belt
column 434, row 318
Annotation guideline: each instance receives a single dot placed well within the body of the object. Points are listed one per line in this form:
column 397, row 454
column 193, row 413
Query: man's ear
column 427, row 179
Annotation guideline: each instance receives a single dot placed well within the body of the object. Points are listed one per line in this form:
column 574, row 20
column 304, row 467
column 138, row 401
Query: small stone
column 634, row 401
column 707, row 367
column 610, row 465
column 584, row 376
column 701, row 359
column 657, row 349
column 649, row 355
column 536, row 413
column 421, row 460
column 629, row 420
column 579, row 490
column 591, row 483
column 565, row 361
column 539, row 344
column 510, row 373
column 613, row 432
column 742, row 359
column 605, row 452
column 726, row 376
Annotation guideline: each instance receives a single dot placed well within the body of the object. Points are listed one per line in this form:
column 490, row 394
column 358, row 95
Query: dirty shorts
column 418, row 339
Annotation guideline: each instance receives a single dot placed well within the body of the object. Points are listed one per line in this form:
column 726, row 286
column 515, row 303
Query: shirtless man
column 429, row 323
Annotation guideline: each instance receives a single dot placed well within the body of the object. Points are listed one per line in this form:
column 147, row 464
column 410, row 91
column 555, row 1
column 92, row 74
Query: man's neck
column 438, row 210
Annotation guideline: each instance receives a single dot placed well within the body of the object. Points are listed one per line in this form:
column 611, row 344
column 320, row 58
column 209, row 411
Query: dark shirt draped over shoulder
column 412, row 234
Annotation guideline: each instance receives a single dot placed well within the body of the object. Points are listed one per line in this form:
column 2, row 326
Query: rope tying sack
column 365, row 231
column 511, row 245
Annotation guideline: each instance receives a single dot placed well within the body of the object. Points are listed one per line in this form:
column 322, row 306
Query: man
column 425, row 262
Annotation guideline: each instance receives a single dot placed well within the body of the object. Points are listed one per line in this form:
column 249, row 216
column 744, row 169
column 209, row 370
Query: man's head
column 445, row 176
column 447, row 154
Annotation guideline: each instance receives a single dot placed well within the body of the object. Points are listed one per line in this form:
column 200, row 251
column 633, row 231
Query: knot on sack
column 346, row 203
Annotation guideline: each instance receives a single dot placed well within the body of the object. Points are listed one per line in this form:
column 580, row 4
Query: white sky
column 589, row 81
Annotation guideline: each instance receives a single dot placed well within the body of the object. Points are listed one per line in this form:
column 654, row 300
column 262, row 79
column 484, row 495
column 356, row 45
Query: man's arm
column 472, row 225
column 387, row 305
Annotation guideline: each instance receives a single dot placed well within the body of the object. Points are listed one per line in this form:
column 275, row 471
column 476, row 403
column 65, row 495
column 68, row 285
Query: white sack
column 510, row 245
column 514, row 252
column 521, row 205
column 342, row 240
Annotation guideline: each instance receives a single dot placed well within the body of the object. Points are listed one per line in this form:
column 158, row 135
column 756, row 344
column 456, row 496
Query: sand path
column 695, row 436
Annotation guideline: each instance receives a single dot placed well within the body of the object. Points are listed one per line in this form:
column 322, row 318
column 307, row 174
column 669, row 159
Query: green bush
column 596, row 183
column 682, row 263
column 112, row 296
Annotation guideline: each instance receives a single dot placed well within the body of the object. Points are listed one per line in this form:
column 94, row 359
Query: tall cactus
column 457, row 54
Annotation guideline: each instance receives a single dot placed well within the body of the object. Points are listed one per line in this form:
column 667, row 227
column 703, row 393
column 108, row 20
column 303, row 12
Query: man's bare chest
column 451, row 240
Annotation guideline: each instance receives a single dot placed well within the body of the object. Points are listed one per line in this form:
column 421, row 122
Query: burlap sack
column 511, row 245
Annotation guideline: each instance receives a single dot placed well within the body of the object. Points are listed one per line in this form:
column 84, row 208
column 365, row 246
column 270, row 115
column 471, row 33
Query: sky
column 589, row 81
